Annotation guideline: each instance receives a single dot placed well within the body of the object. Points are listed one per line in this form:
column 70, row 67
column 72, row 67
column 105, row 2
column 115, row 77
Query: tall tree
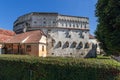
column 108, row 28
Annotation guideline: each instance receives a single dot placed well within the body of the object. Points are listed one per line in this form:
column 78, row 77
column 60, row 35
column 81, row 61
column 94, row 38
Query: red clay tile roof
column 91, row 36
column 3, row 38
column 7, row 32
column 5, row 35
column 27, row 37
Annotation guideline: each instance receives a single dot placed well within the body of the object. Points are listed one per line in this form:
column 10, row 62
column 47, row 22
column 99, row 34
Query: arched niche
column 59, row 44
column 53, row 42
column 87, row 45
column 66, row 44
column 74, row 44
column 80, row 45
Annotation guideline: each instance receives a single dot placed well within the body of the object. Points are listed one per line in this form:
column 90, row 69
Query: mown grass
column 100, row 60
column 59, row 68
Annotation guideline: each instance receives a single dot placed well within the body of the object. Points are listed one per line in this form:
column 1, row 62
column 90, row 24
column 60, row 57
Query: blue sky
column 11, row 9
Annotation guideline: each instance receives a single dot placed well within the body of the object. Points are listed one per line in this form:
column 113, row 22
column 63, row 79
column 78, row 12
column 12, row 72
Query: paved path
column 116, row 58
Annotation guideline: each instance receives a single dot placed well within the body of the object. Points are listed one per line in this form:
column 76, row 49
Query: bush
column 16, row 67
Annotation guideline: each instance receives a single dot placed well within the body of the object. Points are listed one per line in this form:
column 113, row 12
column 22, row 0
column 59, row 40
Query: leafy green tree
column 108, row 28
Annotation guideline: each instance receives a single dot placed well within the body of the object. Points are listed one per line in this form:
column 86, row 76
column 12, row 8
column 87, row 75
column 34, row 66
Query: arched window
column 67, row 44
column 69, row 24
column 53, row 42
column 87, row 45
column 68, row 34
column 59, row 44
column 66, row 24
column 77, row 25
column 74, row 44
column 80, row 45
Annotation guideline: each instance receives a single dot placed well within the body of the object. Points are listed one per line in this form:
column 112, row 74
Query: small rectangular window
column 53, row 22
column 85, row 25
column 44, row 22
column 42, row 48
column 28, row 48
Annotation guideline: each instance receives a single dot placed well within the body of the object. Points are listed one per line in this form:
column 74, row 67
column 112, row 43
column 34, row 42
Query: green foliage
column 16, row 67
column 108, row 29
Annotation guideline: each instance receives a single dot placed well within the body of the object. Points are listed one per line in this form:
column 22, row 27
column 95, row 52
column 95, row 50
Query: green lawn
column 101, row 60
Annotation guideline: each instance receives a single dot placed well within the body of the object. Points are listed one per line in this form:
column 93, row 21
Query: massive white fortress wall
column 66, row 35
column 42, row 20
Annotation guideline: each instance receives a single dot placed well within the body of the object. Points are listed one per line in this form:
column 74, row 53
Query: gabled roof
column 5, row 35
column 7, row 32
column 27, row 37
column 3, row 38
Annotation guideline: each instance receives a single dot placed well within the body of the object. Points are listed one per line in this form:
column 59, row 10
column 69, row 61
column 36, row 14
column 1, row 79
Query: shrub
column 16, row 67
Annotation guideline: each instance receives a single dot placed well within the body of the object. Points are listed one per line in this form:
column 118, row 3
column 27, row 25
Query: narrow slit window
column 42, row 48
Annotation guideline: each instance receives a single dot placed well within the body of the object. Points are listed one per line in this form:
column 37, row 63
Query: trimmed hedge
column 16, row 67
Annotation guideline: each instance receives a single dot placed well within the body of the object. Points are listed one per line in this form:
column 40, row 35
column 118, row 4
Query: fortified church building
column 62, row 35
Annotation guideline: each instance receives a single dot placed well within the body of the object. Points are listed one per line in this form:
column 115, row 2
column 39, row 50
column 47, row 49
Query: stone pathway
column 116, row 58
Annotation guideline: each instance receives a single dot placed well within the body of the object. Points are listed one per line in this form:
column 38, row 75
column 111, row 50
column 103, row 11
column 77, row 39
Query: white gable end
column 43, row 39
